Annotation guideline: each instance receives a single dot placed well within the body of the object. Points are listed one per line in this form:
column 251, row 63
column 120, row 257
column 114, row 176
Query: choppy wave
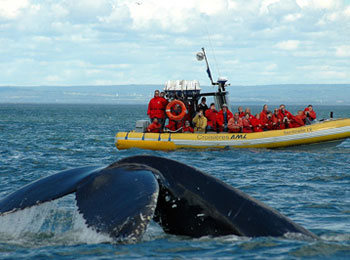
column 309, row 186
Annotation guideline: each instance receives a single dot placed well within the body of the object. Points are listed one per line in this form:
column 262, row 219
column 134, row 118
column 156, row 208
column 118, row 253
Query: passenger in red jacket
column 263, row 114
column 257, row 123
column 241, row 112
column 155, row 127
column 310, row 114
column 175, row 126
column 223, row 117
column 276, row 121
column 211, row 115
column 187, row 128
column 156, row 107
column 247, row 111
column 268, row 124
column 235, row 124
column 285, row 117
column 298, row 120
column 247, row 125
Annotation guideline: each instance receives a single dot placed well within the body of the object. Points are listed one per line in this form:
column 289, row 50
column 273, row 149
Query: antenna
column 200, row 56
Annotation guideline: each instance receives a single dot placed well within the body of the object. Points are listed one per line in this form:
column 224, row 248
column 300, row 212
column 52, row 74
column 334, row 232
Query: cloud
column 343, row 51
column 149, row 41
column 10, row 9
column 288, row 45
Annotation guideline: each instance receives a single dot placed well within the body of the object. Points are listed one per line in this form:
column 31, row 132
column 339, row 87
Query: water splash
column 48, row 224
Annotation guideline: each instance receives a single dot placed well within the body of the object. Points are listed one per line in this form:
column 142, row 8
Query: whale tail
column 120, row 200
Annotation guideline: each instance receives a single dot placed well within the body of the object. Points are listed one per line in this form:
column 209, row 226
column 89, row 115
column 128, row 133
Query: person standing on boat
column 211, row 115
column 223, row 117
column 310, row 114
column 263, row 114
column 156, row 108
column 155, row 127
column 203, row 104
column 235, row 124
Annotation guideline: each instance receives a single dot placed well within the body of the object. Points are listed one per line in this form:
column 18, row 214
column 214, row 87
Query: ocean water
column 312, row 187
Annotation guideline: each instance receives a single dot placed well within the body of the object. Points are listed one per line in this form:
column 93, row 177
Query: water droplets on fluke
column 48, row 224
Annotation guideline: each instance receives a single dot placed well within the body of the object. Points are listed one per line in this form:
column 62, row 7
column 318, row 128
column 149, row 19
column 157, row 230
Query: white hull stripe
column 267, row 140
column 234, row 142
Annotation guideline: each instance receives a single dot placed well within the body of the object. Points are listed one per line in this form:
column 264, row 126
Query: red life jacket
column 286, row 113
column 211, row 116
column 156, row 107
column 187, row 129
column 277, row 122
column 269, row 124
column 251, row 117
column 235, row 126
column 263, row 116
column 312, row 114
column 220, row 117
column 297, row 121
column 154, row 128
column 257, row 125
column 247, row 125
column 174, row 125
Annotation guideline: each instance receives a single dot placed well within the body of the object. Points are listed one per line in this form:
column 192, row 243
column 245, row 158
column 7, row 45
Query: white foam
column 47, row 224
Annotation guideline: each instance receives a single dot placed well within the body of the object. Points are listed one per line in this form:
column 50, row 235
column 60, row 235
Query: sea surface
column 311, row 187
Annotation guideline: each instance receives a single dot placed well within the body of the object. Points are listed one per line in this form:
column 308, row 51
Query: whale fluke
column 194, row 203
column 121, row 199
column 46, row 189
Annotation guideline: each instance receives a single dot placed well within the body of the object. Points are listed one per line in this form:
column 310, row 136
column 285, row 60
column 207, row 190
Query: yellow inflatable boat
column 332, row 130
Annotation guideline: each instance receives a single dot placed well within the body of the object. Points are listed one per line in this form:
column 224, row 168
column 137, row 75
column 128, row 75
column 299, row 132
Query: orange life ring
column 171, row 105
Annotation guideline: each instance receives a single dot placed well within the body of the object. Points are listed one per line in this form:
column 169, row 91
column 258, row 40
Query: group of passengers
column 208, row 119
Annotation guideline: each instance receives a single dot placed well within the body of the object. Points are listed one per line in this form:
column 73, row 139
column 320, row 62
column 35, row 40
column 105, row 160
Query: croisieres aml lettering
column 221, row 137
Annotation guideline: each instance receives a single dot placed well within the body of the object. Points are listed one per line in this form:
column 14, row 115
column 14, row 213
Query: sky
column 114, row 42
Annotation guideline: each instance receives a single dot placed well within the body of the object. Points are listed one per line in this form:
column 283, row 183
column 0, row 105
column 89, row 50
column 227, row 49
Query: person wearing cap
column 223, row 117
column 203, row 105
column 211, row 115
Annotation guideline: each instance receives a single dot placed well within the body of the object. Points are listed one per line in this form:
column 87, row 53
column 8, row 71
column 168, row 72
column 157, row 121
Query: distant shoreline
column 317, row 94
